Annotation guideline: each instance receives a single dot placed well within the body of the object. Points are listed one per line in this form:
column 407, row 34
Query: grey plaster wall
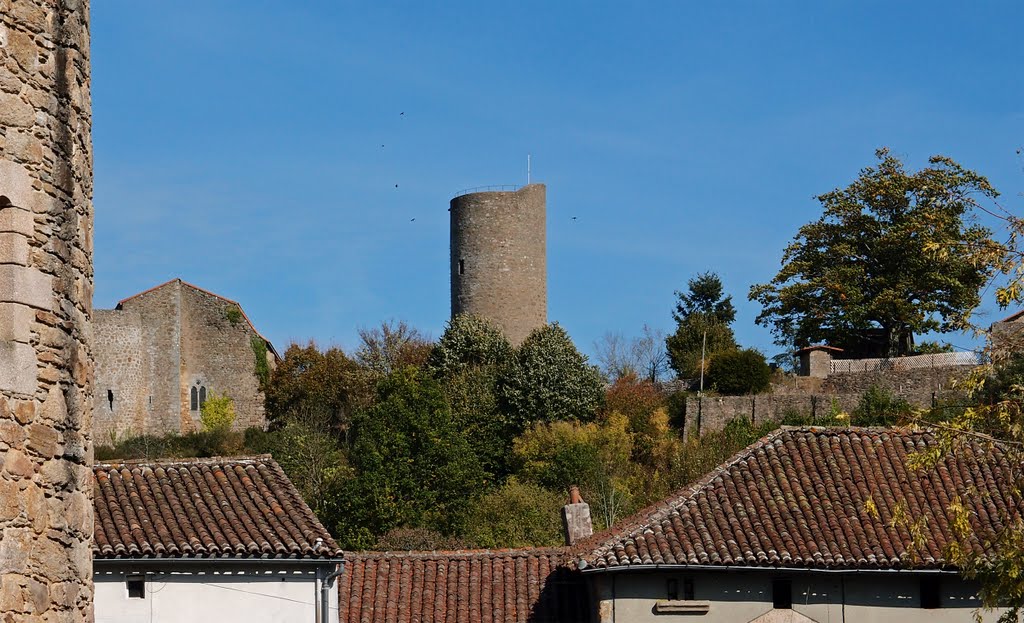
column 747, row 596
column 46, row 281
column 499, row 258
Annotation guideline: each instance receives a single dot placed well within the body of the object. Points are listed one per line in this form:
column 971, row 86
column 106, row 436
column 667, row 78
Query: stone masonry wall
column 46, row 282
column 921, row 388
column 123, row 370
column 218, row 352
column 498, row 258
column 158, row 314
column 153, row 349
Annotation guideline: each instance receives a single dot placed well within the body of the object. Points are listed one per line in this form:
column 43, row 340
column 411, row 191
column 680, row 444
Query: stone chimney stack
column 46, row 284
column 576, row 517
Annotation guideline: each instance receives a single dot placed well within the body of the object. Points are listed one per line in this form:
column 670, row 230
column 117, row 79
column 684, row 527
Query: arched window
column 195, row 399
column 202, row 396
column 197, row 396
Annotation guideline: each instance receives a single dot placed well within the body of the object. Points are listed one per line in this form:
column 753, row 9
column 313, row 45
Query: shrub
column 218, row 414
column 879, row 407
column 517, row 515
column 739, row 372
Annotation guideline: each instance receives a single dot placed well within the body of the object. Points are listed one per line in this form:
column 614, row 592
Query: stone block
column 10, row 500
column 42, row 440
column 11, row 433
column 28, row 286
column 17, row 464
column 16, row 220
column 13, row 249
column 17, row 368
column 15, row 322
column 15, row 112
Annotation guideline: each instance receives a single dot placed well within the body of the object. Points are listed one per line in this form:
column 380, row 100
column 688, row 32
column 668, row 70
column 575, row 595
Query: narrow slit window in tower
column 462, row 267
column 110, row 398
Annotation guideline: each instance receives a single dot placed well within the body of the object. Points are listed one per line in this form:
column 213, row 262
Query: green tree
column 549, row 380
column 467, row 361
column 314, row 385
column 705, row 296
column 739, row 372
column 895, row 252
column 469, row 341
column 414, row 465
column 698, row 337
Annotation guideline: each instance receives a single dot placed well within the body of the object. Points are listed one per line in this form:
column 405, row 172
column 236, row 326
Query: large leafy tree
column 895, row 253
column 414, row 466
column 549, row 380
column 310, row 385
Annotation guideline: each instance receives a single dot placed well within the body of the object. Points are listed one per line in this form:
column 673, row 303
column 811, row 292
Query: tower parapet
column 499, row 258
column 46, row 281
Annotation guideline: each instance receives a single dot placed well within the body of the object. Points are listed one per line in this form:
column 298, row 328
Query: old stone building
column 161, row 353
column 499, row 258
column 46, row 278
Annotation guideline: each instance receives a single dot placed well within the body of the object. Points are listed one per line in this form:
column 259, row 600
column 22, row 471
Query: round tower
column 46, row 278
column 499, row 258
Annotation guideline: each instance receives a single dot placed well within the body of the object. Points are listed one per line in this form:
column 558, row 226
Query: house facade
column 161, row 353
column 218, row 540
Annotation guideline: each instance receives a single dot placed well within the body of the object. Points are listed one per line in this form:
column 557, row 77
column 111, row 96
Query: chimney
column 576, row 517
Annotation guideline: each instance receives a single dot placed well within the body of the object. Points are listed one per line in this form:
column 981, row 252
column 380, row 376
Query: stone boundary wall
column 921, row 388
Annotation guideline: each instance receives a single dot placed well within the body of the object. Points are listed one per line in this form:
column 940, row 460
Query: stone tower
column 45, row 306
column 499, row 258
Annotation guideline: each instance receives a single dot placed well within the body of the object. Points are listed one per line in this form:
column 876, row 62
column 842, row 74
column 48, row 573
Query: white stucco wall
column 743, row 596
column 253, row 597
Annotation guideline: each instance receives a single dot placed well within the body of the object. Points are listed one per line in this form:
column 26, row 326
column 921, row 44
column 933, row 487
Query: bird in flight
column 574, row 218
column 412, row 219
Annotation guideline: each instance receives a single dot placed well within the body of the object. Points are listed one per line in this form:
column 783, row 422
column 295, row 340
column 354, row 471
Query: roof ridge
column 468, row 552
column 205, row 460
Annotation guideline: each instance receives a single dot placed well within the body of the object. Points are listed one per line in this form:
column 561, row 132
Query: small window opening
column 462, row 267
column 688, row 589
column 673, row 590
column 136, row 586
column 110, row 398
column 202, row 396
column 782, row 594
column 931, row 597
column 194, row 402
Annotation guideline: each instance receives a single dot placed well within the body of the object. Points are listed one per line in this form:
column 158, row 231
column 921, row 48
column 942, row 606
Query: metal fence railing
column 938, row 360
column 483, row 189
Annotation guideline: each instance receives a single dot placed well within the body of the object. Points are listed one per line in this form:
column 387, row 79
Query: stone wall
column 218, row 353
column 814, row 398
column 45, row 306
column 498, row 258
column 159, row 344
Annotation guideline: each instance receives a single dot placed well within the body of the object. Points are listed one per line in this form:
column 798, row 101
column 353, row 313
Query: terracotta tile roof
column 799, row 498
column 478, row 586
column 203, row 508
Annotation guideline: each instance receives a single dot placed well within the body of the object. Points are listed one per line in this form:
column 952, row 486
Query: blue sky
column 253, row 148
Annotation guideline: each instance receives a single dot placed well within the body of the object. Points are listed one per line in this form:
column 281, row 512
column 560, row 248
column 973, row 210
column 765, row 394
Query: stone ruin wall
column 920, row 387
column 46, row 281
column 146, row 376
column 152, row 351
column 218, row 352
